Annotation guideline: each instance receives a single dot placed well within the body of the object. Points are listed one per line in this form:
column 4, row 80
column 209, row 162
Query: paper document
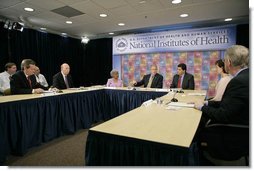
column 196, row 94
column 147, row 103
column 73, row 88
column 161, row 90
column 181, row 104
column 47, row 91
column 110, row 87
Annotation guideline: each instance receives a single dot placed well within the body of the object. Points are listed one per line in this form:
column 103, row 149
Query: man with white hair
column 63, row 79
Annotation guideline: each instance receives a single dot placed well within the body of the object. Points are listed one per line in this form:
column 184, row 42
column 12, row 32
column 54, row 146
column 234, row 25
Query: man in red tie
column 24, row 81
column 183, row 79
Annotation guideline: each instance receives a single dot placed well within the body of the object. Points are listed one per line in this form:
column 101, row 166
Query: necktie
column 29, row 81
column 179, row 82
column 66, row 82
column 150, row 81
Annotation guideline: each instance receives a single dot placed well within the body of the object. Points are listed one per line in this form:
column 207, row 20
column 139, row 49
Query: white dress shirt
column 4, row 81
column 42, row 80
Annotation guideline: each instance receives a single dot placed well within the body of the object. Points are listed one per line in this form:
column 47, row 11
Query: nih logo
column 121, row 44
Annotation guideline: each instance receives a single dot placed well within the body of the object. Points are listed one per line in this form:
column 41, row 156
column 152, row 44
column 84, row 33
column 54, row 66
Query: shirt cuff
column 200, row 107
column 206, row 103
column 33, row 91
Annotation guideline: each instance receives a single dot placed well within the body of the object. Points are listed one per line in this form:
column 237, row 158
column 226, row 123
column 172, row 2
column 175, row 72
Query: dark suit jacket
column 157, row 81
column 20, row 85
column 188, row 81
column 58, row 81
column 234, row 105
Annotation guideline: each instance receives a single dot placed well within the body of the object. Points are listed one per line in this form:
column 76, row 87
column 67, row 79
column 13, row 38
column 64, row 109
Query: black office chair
column 227, row 142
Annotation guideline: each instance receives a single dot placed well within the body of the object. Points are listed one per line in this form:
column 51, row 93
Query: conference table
column 33, row 119
column 158, row 133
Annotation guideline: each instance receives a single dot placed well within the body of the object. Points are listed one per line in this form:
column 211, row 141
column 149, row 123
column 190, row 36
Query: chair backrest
column 226, row 141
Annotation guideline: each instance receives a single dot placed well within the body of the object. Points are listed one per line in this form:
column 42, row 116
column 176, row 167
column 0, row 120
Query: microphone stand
column 174, row 99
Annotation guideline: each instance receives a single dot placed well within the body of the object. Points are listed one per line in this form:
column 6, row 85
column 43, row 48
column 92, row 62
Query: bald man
column 63, row 80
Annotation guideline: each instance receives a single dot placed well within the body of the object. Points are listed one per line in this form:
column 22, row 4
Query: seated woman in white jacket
column 223, row 82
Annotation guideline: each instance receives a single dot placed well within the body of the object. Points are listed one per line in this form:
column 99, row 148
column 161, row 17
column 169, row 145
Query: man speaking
column 153, row 80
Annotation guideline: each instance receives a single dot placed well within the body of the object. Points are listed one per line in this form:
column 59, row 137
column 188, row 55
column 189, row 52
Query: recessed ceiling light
column 64, row 34
column 142, row 1
column 111, row 33
column 184, row 15
column 121, row 24
column 68, row 22
column 29, row 9
column 42, row 28
column 176, row 1
column 103, row 15
column 228, row 19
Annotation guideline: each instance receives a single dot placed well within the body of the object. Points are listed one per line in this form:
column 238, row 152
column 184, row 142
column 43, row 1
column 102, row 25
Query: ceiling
column 151, row 15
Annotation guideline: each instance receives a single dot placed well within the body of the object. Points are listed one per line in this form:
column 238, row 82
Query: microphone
column 174, row 99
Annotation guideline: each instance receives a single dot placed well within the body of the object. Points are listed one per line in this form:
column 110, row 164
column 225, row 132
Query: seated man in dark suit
column 234, row 105
column 153, row 80
column 183, row 79
column 24, row 81
column 63, row 80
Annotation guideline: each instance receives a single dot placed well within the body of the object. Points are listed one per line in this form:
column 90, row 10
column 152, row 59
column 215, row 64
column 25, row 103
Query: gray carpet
column 67, row 150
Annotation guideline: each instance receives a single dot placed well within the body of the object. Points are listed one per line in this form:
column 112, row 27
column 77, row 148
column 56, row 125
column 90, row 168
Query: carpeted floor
column 68, row 150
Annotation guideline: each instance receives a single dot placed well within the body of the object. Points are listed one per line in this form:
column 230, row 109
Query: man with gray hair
column 152, row 80
column 223, row 130
column 24, row 81
column 234, row 105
